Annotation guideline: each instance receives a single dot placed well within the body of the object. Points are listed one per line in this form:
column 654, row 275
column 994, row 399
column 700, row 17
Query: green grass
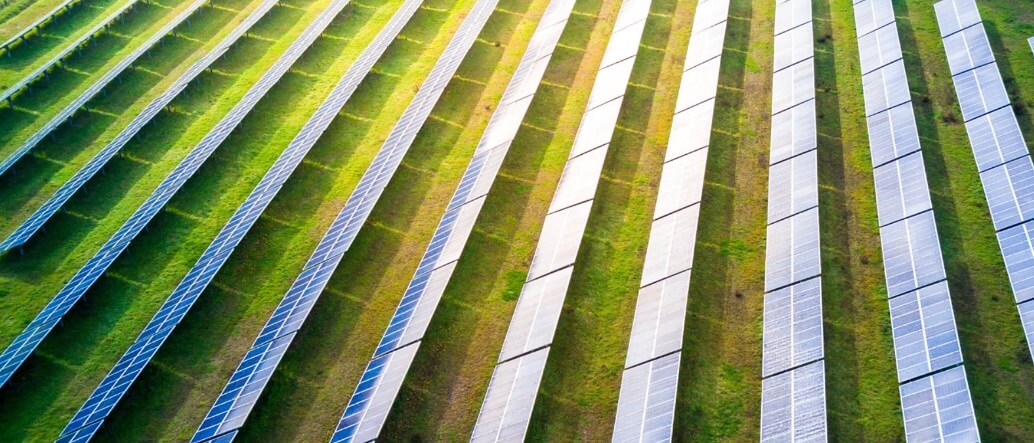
column 15, row 15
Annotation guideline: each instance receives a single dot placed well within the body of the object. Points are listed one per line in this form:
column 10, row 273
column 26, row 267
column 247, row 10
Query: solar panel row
column 510, row 399
column 646, row 402
column 104, row 398
column 922, row 321
column 35, row 222
column 8, row 93
column 73, row 291
column 95, row 89
column 63, row 6
column 793, row 386
column 246, row 384
column 1006, row 169
column 368, row 406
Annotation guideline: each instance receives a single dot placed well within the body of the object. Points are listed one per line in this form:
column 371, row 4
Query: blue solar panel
column 793, row 405
column 1027, row 317
column 96, row 88
column 901, row 189
column 74, row 290
column 938, row 408
column 996, row 138
column 646, row 403
column 292, row 311
column 1017, row 244
column 69, row 49
column 20, row 35
column 871, row 15
column 129, row 367
column 968, row 49
column 1010, row 192
column 925, row 338
column 35, row 222
column 980, row 91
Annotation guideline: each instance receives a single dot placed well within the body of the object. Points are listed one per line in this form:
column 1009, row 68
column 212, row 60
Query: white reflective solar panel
column 879, row 48
column 955, row 15
column 660, row 314
column 911, row 253
column 901, row 189
column 1010, row 192
column 794, row 131
column 793, row 186
column 871, row 15
column 610, row 82
column 704, row 78
column 646, row 403
column 596, row 128
column 793, row 86
column 690, row 130
column 559, row 241
column 394, row 367
column 671, row 245
column 968, row 49
column 885, row 88
column 793, row 46
column 792, row 327
column 925, row 338
column 1027, row 317
column 892, row 134
column 938, row 408
column 579, row 180
column 1017, row 245
column 1030, row 41
column 793, row 405
column 707, row 43
column 996, row 138
column 791, row 14
column 708, row 14
column 536, row 315
column 682, row 183
column 980, row 91
column 508, row 403
column 623, row 45
column 792, row 253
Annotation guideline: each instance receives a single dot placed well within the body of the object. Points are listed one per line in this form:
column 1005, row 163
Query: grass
column 719, row 392
column 15, row 15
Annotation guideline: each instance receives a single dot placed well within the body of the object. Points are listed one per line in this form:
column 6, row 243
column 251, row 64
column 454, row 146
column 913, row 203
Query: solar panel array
column 35, row 222
column 646, row 402
column 65, row 5
column 96, row 88
column 793, row 384
column 246, row 384
column 20, row 84
column 1006, row 169
column 73, row 291
column 369, row 405
column 926, row 342
column 507, row 406
column 103, row 400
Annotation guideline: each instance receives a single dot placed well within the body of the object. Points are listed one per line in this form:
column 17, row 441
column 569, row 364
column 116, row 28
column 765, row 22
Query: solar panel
column 901, row 189
column 980, row 91
column 646, row 402
column 1017, row 245
column 791, row 14
column 885, row 88
column 508, row 403
column 996, row 138
column 792, row 253
column 880, row 47
column 956, row 15
column 682, row 183
column 660, row 315
column 794, row 132
column 578, row 181
column 20, row 35
column 35, row 222
column 706, row 43
column 598, row 126
column 292, row 311
column 376, row 392
column 793, row 405
column 925, row 339
column 536, row 315
column 96, row 88
column 560, row 238
column 793, row 86
column 792, row 327
column 671, row 245
column 938, row 408
column 703, row 74
column 892, row 134
column 1010, row 192
column 911, row 253
column 793, row 186
column 793, row 46
column 68, row 50
column 708, row 13
column 118, row 381
column 1027, row 317
column 690, row 130
column 871, row 15
column 968, row 49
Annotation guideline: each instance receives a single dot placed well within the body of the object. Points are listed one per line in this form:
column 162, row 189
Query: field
column 719, row 391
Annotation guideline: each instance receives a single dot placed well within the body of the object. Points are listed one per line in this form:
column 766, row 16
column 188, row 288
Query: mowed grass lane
column 73, row 144
column 50, row 39
column 76, row 356
column 997, row 358
column 32, row 108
